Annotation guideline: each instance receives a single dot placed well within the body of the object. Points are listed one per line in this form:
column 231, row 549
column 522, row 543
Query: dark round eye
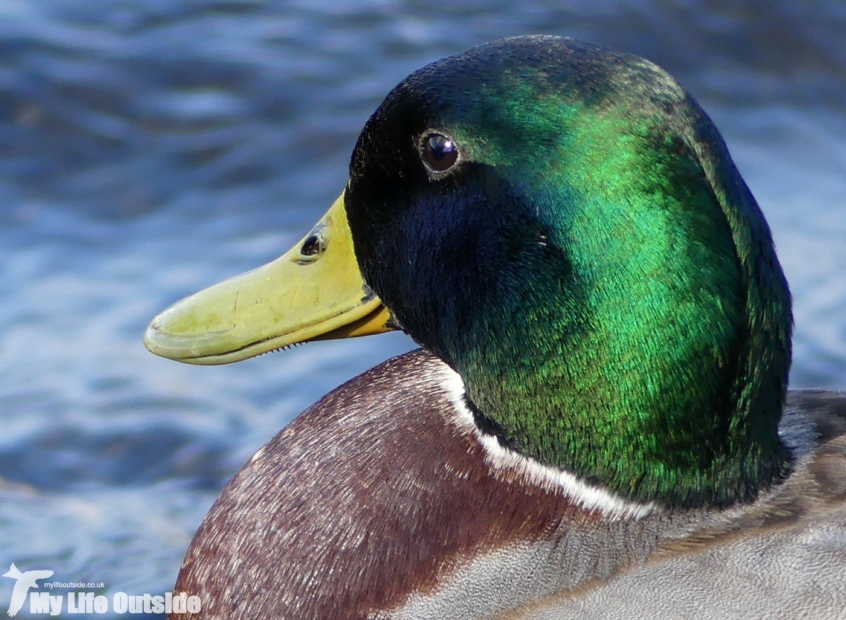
column 439, row 152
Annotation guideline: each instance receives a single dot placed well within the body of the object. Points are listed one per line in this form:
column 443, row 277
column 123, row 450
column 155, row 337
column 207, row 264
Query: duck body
column 598, row 423
column 412, row 515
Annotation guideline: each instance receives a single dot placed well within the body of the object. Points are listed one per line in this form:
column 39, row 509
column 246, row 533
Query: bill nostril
column 313, row 245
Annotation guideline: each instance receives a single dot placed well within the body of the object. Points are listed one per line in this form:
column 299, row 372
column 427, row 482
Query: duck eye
column 439, row 152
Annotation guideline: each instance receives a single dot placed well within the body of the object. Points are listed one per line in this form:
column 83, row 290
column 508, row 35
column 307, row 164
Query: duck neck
column 682, row 435
column 658, row 373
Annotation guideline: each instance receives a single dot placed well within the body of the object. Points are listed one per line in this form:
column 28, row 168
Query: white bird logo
column 25, row 582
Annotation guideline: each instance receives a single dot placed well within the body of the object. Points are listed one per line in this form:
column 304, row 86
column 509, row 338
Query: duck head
column 564, row 227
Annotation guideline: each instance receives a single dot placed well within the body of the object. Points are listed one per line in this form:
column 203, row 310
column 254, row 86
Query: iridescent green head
column 564, row 227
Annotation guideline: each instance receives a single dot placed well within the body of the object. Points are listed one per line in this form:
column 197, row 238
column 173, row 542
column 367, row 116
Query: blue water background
column 149, row 148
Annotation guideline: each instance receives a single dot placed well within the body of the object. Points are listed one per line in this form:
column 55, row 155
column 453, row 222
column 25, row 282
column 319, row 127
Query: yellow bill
column 313, row 292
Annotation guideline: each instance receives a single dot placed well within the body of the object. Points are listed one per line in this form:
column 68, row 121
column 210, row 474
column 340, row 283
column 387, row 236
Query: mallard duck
column 597, row 424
